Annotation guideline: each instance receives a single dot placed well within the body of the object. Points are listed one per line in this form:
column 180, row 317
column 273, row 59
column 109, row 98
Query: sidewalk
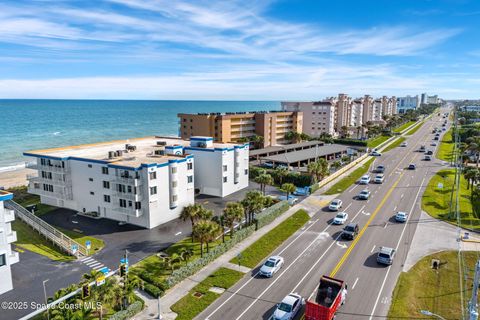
column 311, row 204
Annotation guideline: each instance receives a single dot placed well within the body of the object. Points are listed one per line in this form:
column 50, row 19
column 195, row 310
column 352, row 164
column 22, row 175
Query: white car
column 379, row 178
column 289, row 307
column 376, row 154
column 365, row 179
column 271, row 266
column 340, row 218
column 335, row 205
column 404, row 144
column 364, row 195
column 401, row 216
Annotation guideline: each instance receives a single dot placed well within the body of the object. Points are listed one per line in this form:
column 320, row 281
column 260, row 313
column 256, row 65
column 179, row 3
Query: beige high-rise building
column 343, row 112
column 318, row 116
column 367, row 109
column 232, row 126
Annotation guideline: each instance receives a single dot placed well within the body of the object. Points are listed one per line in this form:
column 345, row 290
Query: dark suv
column 350, row 231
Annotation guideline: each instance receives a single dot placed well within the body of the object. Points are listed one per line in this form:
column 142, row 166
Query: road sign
column 124, row 261
column 440, row 185
column 100, row 280
column 105, row 270
column 74, row 248
column 88, row 244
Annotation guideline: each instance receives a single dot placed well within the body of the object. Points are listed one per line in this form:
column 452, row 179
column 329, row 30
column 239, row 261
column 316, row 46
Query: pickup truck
column 330, row 296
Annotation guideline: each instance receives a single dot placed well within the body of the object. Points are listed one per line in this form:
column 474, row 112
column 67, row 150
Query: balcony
column 130, row 211
column 128, row 196
column 65, row 193
column 129, row 180
column 9, row 215
column 61, row 180
column 11, row 237
column 41, row 167
column 13, row 257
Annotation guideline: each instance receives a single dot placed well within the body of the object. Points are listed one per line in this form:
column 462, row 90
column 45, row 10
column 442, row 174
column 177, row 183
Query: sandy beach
column 15, row 178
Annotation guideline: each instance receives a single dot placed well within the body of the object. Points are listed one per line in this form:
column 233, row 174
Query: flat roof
column 285, row 147
column 143, row 154
column 305, row 154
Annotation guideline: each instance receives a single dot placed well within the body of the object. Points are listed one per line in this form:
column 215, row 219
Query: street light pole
column 431, row 314
column 46, row 301
column 159, row 312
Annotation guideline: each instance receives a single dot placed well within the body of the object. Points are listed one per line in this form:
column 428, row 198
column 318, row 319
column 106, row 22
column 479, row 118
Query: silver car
column 271, row 266
column 289, row 307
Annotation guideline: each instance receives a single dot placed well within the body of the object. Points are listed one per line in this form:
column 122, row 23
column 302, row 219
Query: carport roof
column 286, row 147
column 306, row 154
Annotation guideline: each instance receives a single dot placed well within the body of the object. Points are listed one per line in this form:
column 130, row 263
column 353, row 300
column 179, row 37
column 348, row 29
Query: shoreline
column 15, row 178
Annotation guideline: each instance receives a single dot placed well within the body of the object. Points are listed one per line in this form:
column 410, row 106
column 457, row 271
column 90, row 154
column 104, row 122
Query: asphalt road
column 317, row 249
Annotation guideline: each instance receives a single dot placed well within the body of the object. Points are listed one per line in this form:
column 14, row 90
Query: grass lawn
column 445, row 149
column 373, row 143
column 190, row 306
column 31, row 240
column 436, row 202
column 270, row 241
column 155, row 265
column 394, row 144
column 24, row 199
column 414, row 129
column 422, row 288
column 346, row 182
column 403, row 126
column 97, row 244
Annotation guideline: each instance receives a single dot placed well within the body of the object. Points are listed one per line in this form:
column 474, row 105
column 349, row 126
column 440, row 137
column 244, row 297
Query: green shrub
column 314, row 187
column 150, row 278
column 131, row 311
column 152, row 290
column 352, row 142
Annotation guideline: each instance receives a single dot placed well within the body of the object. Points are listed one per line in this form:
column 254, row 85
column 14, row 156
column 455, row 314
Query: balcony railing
column 128, row 195
column 57, row 180
column 130, row 180
column 9, row 215
column 11, row 237
column 65, row 194
column 44, row 167
column 13, row 257
column 130, row 211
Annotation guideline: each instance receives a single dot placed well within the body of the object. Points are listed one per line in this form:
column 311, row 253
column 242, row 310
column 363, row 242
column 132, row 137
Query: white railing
column 130, row 211
column 58, row 238
column 44, row 167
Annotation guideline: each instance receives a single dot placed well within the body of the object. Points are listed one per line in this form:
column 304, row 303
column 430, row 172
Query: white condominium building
column 408, row 102
column 7, row 236
column 145, row 181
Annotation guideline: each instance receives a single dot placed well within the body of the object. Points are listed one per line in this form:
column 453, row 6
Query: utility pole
column 472, row 305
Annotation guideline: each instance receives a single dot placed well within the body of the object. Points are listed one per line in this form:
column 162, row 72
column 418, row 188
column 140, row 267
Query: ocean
column 39, row 124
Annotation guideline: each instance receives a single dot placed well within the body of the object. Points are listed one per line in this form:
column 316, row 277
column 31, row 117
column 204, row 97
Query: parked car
column 289, row 307
column 412, row 166
column 433, row 144
column 379, row 178
column 365, row 179
column 364, row 195
column 376, row 154
column 401, row 216
column 335, row 205
column 428, row 158
column 291, row 199
column 380, row 169
column 267, row 164
column 305, row 191
column 404, row 144
column 340, row 218
column 386, row 255
column 271, row 266
column 350, row 231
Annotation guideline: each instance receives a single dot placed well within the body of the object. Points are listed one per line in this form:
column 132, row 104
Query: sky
column 238, row 50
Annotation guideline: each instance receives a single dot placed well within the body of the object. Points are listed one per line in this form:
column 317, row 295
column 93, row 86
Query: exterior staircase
column 58, row 238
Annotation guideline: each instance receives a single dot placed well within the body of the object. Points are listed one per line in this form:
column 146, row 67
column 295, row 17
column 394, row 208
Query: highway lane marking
column 178, row 233
column 396, row 248
column 252, row 278
column 360, row 234
column 341, row 245
column 347, row 207
column 321, row 257
column 373, row 248
column 395, row 208
column 385, row 226
column 355, row 283
column 284, row 271
column 401, row 196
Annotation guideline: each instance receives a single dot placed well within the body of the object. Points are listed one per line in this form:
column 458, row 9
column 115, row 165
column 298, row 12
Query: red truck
column 330, row 295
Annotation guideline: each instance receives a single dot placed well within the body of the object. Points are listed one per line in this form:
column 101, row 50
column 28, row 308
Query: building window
column 138, row 205
column 92, row 193
column 189, row 166
column 246, row 171
column 106, row 184
column 184, row 120
column 123, row 203
column 104, row 170
column 174, row 198
column 3, row 260
column 225, row 168
column 153, row 190
column 174, row 184
column 106, row 198
column 89, row 165
column 225, row 179
column 129, row 189
column 153, row 175
column 189, row 179
column 174, row 169
column 90, row 179
column 130, row 203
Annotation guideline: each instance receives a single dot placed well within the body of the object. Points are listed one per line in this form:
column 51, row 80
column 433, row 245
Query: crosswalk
column 92, row 263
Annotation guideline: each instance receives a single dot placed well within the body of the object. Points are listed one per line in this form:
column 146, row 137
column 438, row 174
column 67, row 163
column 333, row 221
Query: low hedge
column 131, row 311
column 263, row 218
column 352, row 142
column 150, row 278
column 314, row 187
column 152, row 290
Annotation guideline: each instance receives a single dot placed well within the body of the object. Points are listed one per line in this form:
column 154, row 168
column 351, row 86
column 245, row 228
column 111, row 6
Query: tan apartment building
column 232, row 126
column 318, row 116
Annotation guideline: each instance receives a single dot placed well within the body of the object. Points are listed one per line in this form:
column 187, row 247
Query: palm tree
column 252, row 203
column 232, row 213
column 469, row 174
column 474, row 147
column 190, row 212
column 344, row 131
column 304, row 137
column 288, row 188
column 336, row 165
column 204, row 213
column 263, row 180
column 186, row 254
column 205, row 231
column 280, row 173
column 318, row 169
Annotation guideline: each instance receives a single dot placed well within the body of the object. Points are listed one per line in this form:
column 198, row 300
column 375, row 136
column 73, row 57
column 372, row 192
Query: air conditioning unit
column 202, row 145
